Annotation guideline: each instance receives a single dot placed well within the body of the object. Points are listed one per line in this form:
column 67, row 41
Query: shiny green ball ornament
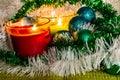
column 113, row 69
column 85, row 35
column 87, row 13
column 76, row 23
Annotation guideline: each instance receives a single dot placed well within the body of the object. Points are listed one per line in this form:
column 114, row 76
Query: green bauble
column 84, row 35
column 62, row 37
column 113, row 69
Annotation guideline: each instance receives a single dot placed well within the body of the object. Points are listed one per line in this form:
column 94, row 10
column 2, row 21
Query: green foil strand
column 22, row 12
column 10, row 58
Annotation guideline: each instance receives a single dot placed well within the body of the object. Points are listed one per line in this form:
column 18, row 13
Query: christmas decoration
column 60, row 22
column 59, row 16
column 76, row 23
column 112, row 69
column 63, row 38
column 84, row 35
column 111, row 64
column 75, row 58
column 11, row 58
column 27, row 38
column 87, row 13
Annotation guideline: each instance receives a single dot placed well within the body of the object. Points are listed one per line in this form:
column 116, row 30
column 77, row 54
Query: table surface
column 95, row 75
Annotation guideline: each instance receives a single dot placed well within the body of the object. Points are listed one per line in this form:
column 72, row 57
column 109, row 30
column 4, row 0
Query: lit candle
column 61, row 23
column 59, row 17
column 29, row 40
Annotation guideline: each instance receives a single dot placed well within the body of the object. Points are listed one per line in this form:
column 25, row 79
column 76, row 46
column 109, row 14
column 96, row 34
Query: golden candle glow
column 22, row 22
column 59, row 17
column 53, row 20
column 59, row 21
column 34, row 28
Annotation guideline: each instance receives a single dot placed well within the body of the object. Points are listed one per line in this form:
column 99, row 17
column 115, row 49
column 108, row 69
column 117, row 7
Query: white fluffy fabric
column 8, row 8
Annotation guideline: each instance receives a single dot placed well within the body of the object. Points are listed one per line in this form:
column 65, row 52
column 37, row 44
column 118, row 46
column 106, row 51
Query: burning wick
column 34, row 27
column 59, row 21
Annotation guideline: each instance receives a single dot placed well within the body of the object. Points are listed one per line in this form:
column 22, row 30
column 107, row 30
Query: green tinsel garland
column 104, row 27
column 10, row 58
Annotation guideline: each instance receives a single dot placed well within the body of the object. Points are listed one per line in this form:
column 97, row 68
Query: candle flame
column 22, row 22
column 34, row 28
column 59, row 21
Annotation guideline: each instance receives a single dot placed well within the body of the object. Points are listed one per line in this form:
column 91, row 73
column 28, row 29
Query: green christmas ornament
column 113, row 69
column 62, row 37
column 84, row 35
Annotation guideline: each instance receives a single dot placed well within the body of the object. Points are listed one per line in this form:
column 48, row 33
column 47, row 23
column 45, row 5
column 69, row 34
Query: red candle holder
column 29, row 40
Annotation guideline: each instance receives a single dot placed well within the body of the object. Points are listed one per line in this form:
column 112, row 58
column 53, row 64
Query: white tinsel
column 36, row 66
column 68, row 61
column 62, row 63
column 113, row 57
column 88, row 26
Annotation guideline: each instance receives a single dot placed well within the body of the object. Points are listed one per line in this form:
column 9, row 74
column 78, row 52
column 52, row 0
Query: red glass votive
column 29, row 40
